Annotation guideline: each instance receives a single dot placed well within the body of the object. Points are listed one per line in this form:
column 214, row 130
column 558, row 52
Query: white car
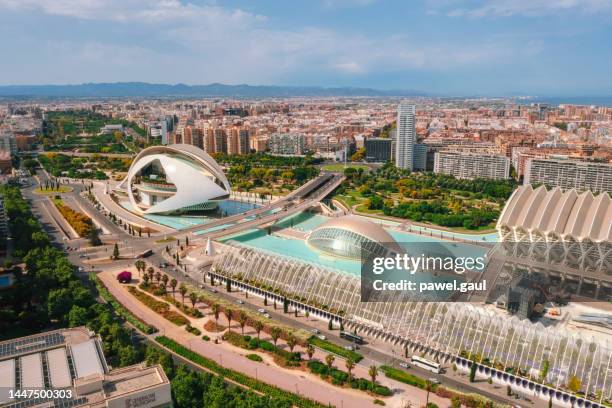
column 404, row 364
column 322, row 337
column 240, row 302
column 262, row 310
column 433, row 380
column 349, row 348
column 316, row 331
column 266, row 315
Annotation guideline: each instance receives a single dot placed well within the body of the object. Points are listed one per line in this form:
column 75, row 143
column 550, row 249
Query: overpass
column 305, row 197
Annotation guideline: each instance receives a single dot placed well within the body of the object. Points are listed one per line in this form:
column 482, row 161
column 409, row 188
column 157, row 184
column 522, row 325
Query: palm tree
column 145, row 280
column 158, row 277
column 151, row 272
column 275, row 333
column 140, row 266
column 373, row 372
column 173, row 283
column 291, row 342
column 350, row 364
column 165, row 280
column 329, row 360
column 258, row 326
column 183, row 291
column 194, row 299
column 229, row 313
column 310, row 350
column 242, row 320
column 216, row 309
column 428, row 389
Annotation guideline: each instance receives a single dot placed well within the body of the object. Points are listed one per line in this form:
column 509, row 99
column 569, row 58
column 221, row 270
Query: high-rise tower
column 406, row 136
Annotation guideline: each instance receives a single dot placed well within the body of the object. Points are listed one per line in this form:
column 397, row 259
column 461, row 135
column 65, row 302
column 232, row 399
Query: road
column 130, row 246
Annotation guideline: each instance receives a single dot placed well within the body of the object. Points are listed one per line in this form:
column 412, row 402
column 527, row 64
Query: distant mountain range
column 143, row 89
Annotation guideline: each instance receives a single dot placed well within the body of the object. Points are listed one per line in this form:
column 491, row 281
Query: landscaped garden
column 267, row 174
column 91, row 167
column 437, row 199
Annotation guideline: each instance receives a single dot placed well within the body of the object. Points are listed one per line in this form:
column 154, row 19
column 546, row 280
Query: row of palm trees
column 148, row 274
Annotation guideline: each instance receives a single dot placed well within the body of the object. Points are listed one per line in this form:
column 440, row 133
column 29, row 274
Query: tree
column 574, row 384
column 258, row 326
column 266, row 300
column 78, row 316
column 140, row 266
column 307, row 314
column 275, row 333
column 373, row 373
column 216, row 309
column 242, row 320
column 193, row 298
column 428, row 387
column 173, row 283
column 165, row 279
column 329, row 360
column 158, row 277
column 473, row 368
column 228, row 285
column 291, row 342
column 310, row 350
column 183, row 291
column 455, row 402
column 330, row 325
column 550, row 404
column 145, row 280
column 151, row 272
column 229, row 314
column 285, row 304
column 350, row 364
column 116, row 251
column 94, row 236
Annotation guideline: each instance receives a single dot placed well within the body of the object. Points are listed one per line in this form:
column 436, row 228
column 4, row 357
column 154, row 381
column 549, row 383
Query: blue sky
column 449, row 47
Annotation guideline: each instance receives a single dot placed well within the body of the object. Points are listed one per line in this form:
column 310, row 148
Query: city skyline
column 440, row 47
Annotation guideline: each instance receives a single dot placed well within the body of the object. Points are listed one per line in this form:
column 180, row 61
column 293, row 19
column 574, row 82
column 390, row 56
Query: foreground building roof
column 557, row 215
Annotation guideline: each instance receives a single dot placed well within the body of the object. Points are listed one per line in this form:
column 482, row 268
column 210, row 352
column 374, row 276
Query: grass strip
column 335, row 349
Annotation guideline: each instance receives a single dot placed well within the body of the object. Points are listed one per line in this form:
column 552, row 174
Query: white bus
column 426, row 364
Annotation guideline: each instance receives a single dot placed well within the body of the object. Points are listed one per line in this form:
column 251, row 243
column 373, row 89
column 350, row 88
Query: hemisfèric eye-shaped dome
column 174, row 178
column 348, row 236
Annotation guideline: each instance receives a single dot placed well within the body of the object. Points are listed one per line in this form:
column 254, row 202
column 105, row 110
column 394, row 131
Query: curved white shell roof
column 579, row 216
column 193, row 185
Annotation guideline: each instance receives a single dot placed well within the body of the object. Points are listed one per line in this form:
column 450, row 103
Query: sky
column 445, row 47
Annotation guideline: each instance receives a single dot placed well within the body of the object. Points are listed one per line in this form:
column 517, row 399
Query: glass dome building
column 347, row 236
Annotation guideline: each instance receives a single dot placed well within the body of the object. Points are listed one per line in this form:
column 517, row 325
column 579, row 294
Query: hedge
column 237, row 376
column 335, row 349
column 254, row 357
column 120, row 310
column 81, row 223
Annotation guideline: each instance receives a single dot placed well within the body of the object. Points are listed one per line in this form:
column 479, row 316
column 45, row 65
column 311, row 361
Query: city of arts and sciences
column 520, row 307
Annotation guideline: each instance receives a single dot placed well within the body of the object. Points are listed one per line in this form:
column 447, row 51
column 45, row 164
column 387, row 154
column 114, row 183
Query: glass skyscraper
column 406, row 136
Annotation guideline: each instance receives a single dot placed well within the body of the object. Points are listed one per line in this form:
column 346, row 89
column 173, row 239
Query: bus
column 351, row 337
column 426, row 364
column 145, row 254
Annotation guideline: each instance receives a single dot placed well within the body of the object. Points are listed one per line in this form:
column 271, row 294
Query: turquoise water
column 226, row 208
column 299, row 250
column 292, row 248
column 303, row 221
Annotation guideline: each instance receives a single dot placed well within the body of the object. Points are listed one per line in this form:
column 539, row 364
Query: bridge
column 305, row 197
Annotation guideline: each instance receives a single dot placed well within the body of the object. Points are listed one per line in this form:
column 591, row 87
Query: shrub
column 193, row 330
column 205, row 338
column 384, row 391
column 254, row 357
column 81, row 223
column 266, row 346
column 379, row 402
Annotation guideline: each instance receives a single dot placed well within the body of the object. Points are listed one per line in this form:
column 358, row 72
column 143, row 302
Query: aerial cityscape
column 331, row 204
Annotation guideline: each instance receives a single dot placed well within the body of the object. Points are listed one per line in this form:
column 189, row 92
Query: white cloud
column 139, row 11
column 508, row 8
column 209, row 43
